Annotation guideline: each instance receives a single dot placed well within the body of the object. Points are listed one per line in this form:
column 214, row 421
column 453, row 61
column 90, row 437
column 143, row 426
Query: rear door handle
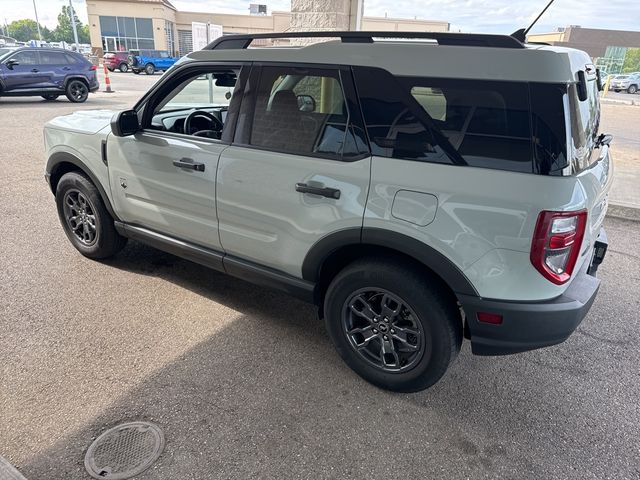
column 66, row 68
column 35, row 70
column 322, row 191
column 189, row 164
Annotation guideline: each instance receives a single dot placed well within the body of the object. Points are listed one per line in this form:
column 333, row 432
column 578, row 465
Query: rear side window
column 467, row 122
column 53, row 58
column 304, row 111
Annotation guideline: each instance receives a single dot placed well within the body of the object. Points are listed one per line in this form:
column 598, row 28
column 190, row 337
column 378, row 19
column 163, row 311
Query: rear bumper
column 526, row 325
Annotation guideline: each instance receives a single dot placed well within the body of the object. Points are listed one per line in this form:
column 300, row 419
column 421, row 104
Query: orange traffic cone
column 106, row 79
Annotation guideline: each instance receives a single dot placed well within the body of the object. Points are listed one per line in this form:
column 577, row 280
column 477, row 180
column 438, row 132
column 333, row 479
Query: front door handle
column 322, row 191
column 189, row 164
column 35, row 70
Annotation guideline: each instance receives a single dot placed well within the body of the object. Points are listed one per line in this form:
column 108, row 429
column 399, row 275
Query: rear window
column 585, row 122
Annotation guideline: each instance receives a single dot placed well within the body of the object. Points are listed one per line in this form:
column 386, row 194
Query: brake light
column 556, row 244
column 93, row 67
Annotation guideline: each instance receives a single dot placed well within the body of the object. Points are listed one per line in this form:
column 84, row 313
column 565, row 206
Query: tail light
column 556, row 244
column 93, row 67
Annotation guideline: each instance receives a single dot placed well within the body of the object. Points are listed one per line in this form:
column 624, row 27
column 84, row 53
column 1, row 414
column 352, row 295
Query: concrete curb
column 612, row 101
column 9, row 472
column 626, row 212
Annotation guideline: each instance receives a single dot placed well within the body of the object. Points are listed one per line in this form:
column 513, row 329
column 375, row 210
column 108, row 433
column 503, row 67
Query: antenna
column 521, row 34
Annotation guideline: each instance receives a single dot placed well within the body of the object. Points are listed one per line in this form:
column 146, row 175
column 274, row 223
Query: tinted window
column 548, row 127
column 70, row 58
column 585, row 122
column 476, row 123
column 303, row 111
column 53, row 58
column 26, row 57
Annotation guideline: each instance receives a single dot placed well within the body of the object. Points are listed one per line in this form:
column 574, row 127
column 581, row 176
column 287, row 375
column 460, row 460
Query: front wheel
column 632, row 89
column 149, row 69
column 85, row 219
column 77, row 91
column 393, row 324
column 50, row 96
column 124, row 68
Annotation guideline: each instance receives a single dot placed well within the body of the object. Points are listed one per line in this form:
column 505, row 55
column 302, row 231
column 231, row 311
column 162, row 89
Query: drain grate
column 124, row 451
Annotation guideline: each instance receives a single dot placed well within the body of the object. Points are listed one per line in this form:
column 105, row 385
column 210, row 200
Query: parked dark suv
column 48, row 72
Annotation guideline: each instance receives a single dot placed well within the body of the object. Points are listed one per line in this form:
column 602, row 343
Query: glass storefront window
column 126, row 33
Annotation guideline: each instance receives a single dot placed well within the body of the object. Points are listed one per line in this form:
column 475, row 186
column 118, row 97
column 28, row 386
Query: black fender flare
column 58, row 159
column 428, row 256
column 75, row 77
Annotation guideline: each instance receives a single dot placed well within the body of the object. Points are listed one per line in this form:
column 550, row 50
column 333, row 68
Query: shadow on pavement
column 267, row 397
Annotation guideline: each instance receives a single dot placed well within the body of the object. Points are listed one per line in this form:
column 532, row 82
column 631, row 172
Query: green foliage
column 27, row 29
column 64, row 31
column 631, row 61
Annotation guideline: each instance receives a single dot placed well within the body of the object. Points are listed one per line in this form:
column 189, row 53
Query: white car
column 417, row 192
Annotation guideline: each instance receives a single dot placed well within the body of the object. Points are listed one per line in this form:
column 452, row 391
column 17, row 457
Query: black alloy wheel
column 77, row 91
column 383, row 330
column 79, row 213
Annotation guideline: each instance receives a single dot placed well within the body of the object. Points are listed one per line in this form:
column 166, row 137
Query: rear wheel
column 124, row 68
column 632, row 89
column 85, row 219
column 149, row 69
column 50, row 96
column 394, row 325
column 77, row 91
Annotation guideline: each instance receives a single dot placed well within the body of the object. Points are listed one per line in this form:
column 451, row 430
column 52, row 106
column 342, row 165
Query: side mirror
column 306, row 103
column 12, row 63
column 125, row 123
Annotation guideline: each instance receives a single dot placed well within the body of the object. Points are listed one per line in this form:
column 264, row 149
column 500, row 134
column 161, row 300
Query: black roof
column 442, row 38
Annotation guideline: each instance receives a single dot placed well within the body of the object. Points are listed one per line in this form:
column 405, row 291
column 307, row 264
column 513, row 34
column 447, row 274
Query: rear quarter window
column 468, row 122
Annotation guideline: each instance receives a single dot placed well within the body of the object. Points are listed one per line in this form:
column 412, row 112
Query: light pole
column 35, row 9
column 72, row 14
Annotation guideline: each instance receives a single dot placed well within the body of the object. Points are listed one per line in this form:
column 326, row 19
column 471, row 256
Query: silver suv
column 417, row 192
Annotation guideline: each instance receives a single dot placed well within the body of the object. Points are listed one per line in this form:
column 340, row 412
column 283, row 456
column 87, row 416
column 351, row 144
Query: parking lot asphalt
column 244, row 381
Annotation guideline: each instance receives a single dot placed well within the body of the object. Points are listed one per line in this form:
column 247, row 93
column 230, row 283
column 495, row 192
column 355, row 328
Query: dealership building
column 607, row 48
column 121, row 25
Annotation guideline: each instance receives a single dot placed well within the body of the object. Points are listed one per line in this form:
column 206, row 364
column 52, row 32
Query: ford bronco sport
column 417, row 192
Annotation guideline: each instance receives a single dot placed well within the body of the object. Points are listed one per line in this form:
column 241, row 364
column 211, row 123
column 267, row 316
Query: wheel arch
column 327, row 257
column 75, row 77
column 61, row 162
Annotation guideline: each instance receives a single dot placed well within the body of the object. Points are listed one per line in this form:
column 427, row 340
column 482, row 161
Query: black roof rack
column 239, row 42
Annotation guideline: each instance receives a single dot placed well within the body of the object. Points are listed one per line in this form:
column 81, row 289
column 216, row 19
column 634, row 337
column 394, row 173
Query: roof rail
column 242, row 41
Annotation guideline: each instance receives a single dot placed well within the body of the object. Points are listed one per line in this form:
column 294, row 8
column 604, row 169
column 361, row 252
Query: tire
column 149, row 69
column 616, row 90
column 77, row 196
column 50, row 96
column 124, row 68
column 77, row 91
column 632, row 89
column 427, row 320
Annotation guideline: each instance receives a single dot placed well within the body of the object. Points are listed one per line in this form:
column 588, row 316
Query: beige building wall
column 161, row 10
column 546, row 37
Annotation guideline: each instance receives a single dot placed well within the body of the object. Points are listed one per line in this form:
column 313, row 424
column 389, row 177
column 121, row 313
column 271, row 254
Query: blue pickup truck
column 150, row 61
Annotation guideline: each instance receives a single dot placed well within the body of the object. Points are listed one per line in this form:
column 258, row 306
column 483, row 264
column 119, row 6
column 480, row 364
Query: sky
column 483, row 16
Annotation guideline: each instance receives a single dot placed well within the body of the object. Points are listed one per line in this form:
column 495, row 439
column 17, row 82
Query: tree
column 64, row 31
column 27, row 29
column 631, row 61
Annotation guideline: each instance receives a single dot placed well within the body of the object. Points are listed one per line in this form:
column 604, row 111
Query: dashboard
column 173, row 121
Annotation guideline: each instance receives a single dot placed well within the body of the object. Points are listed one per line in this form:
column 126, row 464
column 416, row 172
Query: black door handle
column 189, row 164
column 66, row 68
column 35, row 70
column 322, row 191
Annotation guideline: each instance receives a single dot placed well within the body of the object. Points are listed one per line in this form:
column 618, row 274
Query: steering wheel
column 216, row 124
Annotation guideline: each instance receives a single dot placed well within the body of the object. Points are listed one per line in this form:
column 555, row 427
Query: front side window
column 197, row 105
column 303, row 111
column 26, row 58
column 464, row 122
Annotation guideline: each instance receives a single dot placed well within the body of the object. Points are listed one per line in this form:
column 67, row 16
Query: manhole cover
column 124, row 451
